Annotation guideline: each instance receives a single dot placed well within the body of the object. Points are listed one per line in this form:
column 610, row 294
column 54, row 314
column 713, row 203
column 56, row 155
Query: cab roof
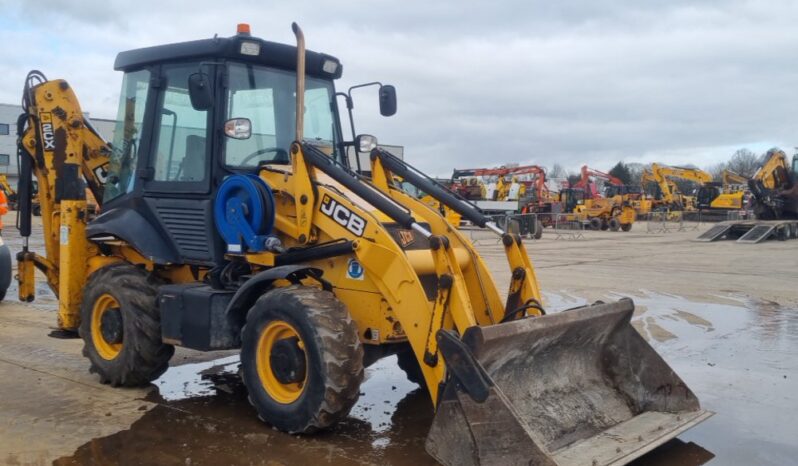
column 266, row 53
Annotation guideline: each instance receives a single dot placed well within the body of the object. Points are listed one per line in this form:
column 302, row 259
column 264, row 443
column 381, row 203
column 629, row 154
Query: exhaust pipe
column 300, row 80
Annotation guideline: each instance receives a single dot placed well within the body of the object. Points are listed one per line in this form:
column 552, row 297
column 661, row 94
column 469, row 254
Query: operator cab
column 706, row 194
column 193, row 113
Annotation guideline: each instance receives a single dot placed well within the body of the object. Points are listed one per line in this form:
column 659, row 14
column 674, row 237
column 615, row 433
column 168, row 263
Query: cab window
column 181, row 152
column 127, row 134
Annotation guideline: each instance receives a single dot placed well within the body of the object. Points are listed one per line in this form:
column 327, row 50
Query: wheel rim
column 272, row 334
column 103, row 305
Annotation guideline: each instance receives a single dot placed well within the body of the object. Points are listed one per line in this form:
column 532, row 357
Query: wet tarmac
column 739, row 357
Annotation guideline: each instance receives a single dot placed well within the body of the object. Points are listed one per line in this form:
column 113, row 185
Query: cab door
column 177, row 190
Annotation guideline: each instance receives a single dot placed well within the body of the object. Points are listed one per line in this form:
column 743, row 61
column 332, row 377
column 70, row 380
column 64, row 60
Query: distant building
column 8, row 138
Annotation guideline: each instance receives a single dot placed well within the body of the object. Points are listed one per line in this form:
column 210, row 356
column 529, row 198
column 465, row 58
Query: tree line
column 743, row 162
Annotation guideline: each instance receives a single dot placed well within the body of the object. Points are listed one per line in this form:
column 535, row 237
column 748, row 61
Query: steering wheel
column 277, row 150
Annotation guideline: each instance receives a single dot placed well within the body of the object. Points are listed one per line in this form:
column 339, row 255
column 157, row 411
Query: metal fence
column 664, row 222
column 691, row 220
column 526, row 225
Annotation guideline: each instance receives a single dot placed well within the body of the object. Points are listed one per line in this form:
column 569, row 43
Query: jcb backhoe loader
column 230, row 220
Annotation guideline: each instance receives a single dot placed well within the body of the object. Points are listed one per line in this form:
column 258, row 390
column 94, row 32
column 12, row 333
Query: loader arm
column 524, row 293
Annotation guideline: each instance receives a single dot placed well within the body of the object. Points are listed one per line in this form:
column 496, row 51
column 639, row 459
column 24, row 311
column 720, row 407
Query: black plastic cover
column 194, row 315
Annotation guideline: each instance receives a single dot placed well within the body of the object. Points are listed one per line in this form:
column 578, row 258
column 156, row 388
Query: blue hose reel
column 244, row 213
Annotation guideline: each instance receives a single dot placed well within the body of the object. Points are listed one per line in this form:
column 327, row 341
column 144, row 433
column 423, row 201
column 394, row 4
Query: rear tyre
column 595, row 223
column 626, row 226
column 121, row 327
column 301, row 359
column 614, row 224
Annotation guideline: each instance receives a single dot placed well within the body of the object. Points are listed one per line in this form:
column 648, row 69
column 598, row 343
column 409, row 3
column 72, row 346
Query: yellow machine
column 451, row 216
column 709, row 196
column 613, row 212
column 230, row 219
column 11, row 194
column 607, row 213
column 774, row 187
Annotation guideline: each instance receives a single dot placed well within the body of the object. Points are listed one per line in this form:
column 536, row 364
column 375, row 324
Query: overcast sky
column 479, row 83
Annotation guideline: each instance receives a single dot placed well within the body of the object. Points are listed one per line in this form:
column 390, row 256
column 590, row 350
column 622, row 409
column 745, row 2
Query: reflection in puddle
column 739, row 358
column 186, row 381
column 384, row 387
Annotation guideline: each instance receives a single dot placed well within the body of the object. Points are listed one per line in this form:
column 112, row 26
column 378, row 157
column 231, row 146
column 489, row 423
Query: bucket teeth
column 556, row 389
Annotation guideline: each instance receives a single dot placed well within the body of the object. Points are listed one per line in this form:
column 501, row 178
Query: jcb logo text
column 343, row 216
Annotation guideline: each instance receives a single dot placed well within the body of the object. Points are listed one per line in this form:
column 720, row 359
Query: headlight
column 329, row 66
column 250, row 48
column 366, row 142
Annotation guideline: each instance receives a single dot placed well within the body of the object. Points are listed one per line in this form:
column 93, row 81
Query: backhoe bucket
column 580, row 387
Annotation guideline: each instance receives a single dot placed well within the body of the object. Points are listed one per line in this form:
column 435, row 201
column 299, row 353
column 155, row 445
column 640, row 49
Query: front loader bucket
column 580, row 387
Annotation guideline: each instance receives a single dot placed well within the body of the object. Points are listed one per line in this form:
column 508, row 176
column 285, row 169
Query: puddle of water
column 734, row 356
column 203, row 418
column 741, row 362
column 185, row 381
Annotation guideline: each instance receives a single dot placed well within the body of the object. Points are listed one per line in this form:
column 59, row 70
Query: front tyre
column 301, row 359
column 121, row 327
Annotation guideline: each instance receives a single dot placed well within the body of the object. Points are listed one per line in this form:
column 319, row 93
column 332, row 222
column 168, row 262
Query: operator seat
column 193, row 166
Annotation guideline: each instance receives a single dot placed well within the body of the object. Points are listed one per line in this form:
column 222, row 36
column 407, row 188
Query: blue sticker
column 354, row 270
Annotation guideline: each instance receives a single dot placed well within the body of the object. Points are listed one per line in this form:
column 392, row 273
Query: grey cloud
column 484, row 83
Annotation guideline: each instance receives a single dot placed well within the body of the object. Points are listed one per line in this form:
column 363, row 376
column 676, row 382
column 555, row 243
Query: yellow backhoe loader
column 230, row 219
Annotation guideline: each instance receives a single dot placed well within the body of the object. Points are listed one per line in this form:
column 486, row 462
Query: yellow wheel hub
column 271, row 335
column 104, row 304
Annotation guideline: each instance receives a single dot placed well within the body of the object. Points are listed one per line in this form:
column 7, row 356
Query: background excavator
column 710, row 195
column 774, row 202
column 774, row 187
column 230, row 219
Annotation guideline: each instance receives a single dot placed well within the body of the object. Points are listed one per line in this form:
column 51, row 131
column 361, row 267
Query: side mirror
column 238, row 128
column 364, row 143
column 387, row 100
column 199, row 91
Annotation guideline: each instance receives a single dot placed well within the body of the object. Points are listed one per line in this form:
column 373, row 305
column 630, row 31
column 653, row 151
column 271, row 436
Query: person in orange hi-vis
column 3, row 208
